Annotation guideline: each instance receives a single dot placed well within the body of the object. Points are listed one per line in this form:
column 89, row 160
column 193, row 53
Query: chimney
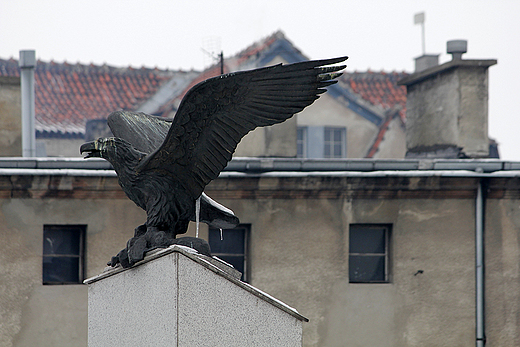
column 447, row 108
column 457, row 48
column 27, row 65
column 426, row 61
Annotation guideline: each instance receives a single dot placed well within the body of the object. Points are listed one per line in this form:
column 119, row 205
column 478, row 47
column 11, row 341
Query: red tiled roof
column 379, row 88
column 230, row 64
column 67, row 95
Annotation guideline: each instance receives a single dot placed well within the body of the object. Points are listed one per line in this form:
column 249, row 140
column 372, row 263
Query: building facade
column 382, row 252
column 373, row 252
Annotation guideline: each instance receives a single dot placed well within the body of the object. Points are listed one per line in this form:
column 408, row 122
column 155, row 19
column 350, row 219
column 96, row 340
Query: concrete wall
column 33, row 314
column 473, row 120
column 280, row 140
column 502, row 272
column 10, row 117
column 277, row 140
column 393, row 144
column 447, row 107
column 60, row 147
column 327, row 111
column 432, row 110
column 299, row 254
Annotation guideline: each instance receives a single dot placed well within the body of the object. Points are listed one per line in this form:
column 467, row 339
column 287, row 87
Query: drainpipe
column 479, row 265
column 27, row 65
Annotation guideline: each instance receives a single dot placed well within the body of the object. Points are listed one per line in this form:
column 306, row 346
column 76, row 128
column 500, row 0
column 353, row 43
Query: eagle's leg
column 145, row 239
column 143, row 242
column 158, row 238
column 140, row 230
column 122, row 256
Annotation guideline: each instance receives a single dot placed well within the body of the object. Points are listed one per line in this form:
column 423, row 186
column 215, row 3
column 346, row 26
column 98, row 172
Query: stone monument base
column 175, row 297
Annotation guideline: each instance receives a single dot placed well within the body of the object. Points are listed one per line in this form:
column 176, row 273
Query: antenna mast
column 419, row 18
column 211, row 45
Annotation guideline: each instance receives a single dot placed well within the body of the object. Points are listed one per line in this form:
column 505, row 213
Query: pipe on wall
column 479, row 265
column 27, row 65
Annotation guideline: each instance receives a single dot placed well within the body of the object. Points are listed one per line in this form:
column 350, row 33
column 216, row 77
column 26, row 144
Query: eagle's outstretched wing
column 215, row 115
column 145, row 132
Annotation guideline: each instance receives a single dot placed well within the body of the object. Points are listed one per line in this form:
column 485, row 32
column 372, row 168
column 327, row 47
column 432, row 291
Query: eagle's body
column 163, row 165
column 153, row 191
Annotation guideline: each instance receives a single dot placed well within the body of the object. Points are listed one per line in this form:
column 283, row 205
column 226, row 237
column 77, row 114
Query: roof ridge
column 262, row 42
column 66, row 63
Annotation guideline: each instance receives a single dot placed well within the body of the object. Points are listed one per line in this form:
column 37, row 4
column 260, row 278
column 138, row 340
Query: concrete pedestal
column 177, row 298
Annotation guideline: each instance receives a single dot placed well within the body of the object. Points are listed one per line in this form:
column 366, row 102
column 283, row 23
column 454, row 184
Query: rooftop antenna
column 419, row 18
column 211, row 45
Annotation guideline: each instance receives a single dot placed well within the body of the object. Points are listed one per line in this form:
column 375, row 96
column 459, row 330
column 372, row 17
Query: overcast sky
column 377, row 35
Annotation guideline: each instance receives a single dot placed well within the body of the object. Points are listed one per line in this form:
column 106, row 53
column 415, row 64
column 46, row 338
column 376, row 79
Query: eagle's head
column 117, row 151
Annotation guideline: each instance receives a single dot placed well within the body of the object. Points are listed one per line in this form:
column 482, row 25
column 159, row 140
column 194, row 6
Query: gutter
column 298, row 167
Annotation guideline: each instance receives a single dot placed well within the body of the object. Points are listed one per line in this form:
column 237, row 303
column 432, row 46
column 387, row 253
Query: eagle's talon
column 137, row 250
column 138, row 245
column 114, row 261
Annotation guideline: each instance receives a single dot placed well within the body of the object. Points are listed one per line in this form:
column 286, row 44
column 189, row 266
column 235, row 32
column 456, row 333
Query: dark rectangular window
column 63, row 254
column 232, row 248
column 334, row 144
column 369, row 253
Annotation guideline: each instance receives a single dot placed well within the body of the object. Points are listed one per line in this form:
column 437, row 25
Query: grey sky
column 377, row 35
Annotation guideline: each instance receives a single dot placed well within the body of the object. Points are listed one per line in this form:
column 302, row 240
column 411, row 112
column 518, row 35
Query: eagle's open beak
column 92, row 148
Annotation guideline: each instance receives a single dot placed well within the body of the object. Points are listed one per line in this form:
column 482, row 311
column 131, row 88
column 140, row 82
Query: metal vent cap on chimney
column 457, row 48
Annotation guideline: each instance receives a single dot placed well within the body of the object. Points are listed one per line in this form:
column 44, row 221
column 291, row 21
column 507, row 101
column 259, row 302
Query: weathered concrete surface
column 304, row 260
column 409, row 311
column 360, row 133
column 447, row 107
column 502, row 272
column 393, row 144
column 299, row 253
column 60, row 314
column 277, row 140
column 10, row 117
column 36, row 315
column 180, row 299
column 61, row 147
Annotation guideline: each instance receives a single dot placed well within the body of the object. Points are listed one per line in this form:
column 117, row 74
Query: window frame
column 246, row 277
column 330, row 144
column 387, row 251
column 82, row 229
column 301, row 142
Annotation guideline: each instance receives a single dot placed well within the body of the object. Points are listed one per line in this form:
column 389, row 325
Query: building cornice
column 436, row 70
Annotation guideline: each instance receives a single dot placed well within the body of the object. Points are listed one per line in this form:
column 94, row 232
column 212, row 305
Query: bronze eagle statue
column 163, row 165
